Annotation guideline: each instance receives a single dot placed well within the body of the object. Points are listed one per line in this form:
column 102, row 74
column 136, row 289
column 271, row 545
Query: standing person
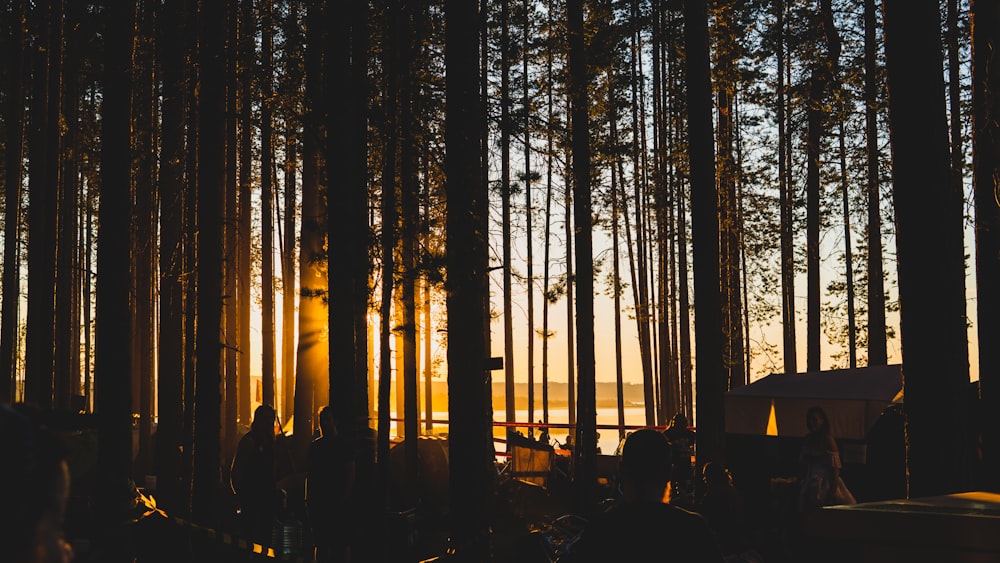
column 819, row 460
column 682, row 441
column 34, row 487
column 330, row 475
column 253, row 477
column 643, row 524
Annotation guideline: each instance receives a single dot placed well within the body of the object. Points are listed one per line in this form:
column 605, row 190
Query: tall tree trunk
column 986, row 161
column 786, row 201
column 114, row 362
column 731, row 310
column 244, row 76
column 66, row 373
column 143, row 130
column 931, row 261
column 409, row 186
column 529, row 239
column 43, row 178
column 470, row 433
column 211, row 187
column 312, row 355
column 549, row 157
column 615, row 269
column 292, row 85
column 13, row 153
column 822, row 75
column 711, row 382
column 343, row 151
column 170, row 352
column 852, row 344
column 190, row 249
column 585, row 452
column 265, row 79
column 508, row 314
column 390, row 138
column 636, row 266
column 877, row 354
column 231, row 400
column 359, row 212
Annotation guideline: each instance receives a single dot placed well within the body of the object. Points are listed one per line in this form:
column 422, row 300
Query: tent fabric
column 852, row 398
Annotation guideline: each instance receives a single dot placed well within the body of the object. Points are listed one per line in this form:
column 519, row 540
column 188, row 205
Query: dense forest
column 367, row 182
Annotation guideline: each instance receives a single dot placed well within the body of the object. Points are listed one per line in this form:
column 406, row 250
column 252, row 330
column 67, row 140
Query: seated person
column 34, row 488
column 643, row 524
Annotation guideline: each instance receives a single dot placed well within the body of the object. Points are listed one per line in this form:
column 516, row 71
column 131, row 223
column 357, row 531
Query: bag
column 840, row 494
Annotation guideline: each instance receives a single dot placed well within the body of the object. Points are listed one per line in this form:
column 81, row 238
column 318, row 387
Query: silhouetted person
column 543, row 434
column 643, row 527
column 819, row 460
column 330, row 474
column 253, row 477
column 682, row 441
column 722, row 506
column 34, row 487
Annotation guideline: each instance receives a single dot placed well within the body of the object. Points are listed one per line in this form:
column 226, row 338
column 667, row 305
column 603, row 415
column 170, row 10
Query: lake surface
column 558, row 420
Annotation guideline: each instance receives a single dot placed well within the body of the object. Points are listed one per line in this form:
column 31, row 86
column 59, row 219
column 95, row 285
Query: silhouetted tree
column 931, row 261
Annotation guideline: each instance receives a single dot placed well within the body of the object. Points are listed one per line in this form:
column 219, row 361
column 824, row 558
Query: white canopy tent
column 776, row 405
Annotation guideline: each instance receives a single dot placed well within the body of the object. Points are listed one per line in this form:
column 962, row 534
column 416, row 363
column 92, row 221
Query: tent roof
column 776, row 404
column 877, row 383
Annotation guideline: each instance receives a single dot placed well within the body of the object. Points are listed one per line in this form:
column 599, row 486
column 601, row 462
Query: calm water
column 607, row 440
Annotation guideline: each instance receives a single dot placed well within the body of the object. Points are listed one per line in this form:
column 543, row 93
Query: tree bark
column 877, row 354
column 710, row 378
column 931, row 261
column 470, row 433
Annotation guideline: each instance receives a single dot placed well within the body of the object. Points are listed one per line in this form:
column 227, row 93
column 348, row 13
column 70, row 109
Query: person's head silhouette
column 645, row 466
column 263, row 422
column 34, row 486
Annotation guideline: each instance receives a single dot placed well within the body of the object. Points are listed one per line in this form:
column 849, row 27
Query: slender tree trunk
column 390, row 138
column 570, row 290
column 549, row 156
column 635, row 265
column 705, row 231
column 143, row 130
column 877, row 355
column 852, row 344
column 264, row 79
column 170, row 352
column 508, row 314
column 529, row 239
column 211, row 187
column 931, row 261
column 615, row 270
column 66, row 374
column 244, row 76
column 789, row 350
column 292, row 85
column 13, row 153
column 409, row 185
column 231, row 400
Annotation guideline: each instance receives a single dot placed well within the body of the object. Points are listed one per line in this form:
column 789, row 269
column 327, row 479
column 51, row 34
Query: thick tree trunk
column 585, row 452
column 711, row 382
column 877, row 355
column 13, row 153
column 244, row 71
column 113, row 367
column 211, row 187
column 931, row 261
column 986, row 162
column 470, row 434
